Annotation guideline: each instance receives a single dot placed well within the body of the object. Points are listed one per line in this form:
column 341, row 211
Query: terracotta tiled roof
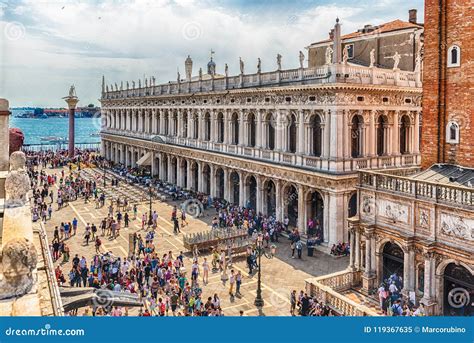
column 394, row 25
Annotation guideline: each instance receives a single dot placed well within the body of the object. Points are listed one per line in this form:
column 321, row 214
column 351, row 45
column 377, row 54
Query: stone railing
column 328, row 288
column 316, row 163
column 334, row 73
column 452, row 195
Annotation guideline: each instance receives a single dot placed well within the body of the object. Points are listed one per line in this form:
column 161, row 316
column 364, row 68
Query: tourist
column 293, row 302
column 299, row 248
column 238, row 282
column 231, row 282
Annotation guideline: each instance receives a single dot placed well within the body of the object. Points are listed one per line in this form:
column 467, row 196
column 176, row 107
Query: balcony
column 346, row 165
column 334, row 73
column 329, row 290
column 442, row 193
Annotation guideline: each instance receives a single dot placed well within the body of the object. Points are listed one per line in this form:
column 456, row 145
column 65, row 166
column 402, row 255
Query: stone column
column 190, row 124
column 241, row 127
column 371, row 148
column 416, row 134
column 326, row 220
column 162, row 121
column 301, row 210
column 259, row 197
column 71, row 101
column 369, row 278
column 242, row 195
column 200, row 177
column 4, row 135
column 352, row 249
column 179, row 181
column 213, row 122
column 428, row 299
column 189, row 177
column 326, row 132
column 368, row 255
column 279, row 131
column 396, row 134
column 279, row 209
column 258, row 129
column 301, row 137
column 200, row 126
column 357, row 251
column 226, row 184
column 213, row 180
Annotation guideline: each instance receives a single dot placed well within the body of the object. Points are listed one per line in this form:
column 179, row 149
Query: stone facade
column 28, row 285
column 430, row 224
column 385, row 40
column 448, row 88
column 287, row 143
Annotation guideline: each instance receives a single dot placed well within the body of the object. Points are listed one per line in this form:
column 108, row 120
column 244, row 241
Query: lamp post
column 104, row 166
column 150, row 218
column 259, row 303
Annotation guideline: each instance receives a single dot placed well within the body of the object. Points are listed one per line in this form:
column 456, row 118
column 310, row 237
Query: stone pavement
column 280, row 275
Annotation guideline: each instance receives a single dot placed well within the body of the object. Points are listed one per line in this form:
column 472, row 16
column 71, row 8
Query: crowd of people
column 161, row 282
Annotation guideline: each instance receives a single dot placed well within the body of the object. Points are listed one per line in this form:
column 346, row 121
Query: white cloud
column 77, row 42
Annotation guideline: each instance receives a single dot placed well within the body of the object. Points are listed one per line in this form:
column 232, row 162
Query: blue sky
column 48, row 45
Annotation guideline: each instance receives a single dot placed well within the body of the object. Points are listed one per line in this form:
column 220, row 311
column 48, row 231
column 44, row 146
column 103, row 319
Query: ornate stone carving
column 456, row 226
column 17, row 161
column 424, row 218
column 17, row 185
column 393, row 211
column 19, row 259
column 368, row 205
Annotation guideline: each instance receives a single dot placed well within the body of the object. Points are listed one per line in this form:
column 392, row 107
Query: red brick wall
column 456, row 88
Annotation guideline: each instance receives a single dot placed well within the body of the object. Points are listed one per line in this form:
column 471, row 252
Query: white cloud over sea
column 47, row 45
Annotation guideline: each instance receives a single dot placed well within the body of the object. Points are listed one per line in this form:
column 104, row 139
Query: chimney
column 412, row 16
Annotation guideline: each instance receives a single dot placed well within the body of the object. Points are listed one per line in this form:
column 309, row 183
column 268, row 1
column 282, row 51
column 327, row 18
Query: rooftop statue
column 329, row 52
column 301, row 56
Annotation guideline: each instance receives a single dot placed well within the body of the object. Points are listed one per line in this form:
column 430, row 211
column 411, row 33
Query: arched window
column 454, row 56
column 270, row 124
column 404, row 135
column 316, row 136
column 195, row 126
column 251, row 130
column 220, row 128
column 235, row 128
column 356, row 136
column 207, row 127
column 185, row 125
column 381, row 135
column 452, row 133
column 292, row 138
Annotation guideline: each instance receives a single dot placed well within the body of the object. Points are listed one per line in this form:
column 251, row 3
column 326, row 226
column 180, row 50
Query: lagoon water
column 34, row 129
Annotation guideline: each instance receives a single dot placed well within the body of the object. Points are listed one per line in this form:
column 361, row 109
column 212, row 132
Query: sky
column 46, row 46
